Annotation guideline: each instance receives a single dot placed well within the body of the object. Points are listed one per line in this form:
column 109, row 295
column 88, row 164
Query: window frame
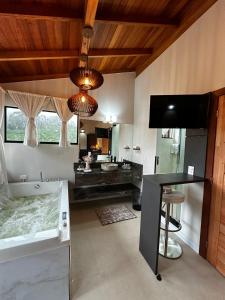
column 20, row 142
column 5, row 126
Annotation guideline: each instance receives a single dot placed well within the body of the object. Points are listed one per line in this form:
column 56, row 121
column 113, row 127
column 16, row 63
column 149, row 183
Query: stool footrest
column 172, row 230
column 172, row 220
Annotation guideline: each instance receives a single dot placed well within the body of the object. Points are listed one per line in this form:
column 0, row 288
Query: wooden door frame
column 210, row 152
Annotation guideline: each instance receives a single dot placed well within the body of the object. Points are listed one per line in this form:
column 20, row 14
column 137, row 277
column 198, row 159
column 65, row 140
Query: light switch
column 191, row 170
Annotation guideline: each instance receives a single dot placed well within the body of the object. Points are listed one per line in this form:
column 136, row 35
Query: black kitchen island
column 151, row 212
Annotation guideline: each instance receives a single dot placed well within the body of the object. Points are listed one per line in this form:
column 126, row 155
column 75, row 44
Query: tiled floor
column 107, row 265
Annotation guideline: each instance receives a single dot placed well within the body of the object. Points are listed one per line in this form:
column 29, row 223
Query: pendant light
column 86, row 79
column 82, row 104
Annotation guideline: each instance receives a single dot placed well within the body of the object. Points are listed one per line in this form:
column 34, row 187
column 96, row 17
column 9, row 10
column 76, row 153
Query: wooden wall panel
column 216, row 238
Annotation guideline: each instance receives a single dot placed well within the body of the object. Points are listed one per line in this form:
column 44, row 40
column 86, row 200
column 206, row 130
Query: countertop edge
column 163, row 179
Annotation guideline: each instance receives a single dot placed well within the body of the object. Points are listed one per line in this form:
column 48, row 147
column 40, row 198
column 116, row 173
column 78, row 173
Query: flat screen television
column 179, row 111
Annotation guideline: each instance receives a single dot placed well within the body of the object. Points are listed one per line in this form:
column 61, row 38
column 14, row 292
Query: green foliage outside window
column 48, row 126
column 15, row 124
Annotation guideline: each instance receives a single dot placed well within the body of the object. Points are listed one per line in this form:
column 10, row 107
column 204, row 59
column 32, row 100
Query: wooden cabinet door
column 216, row 241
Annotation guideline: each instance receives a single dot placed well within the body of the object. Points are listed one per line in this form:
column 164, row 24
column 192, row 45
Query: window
column 48, row 126
column 15, row 123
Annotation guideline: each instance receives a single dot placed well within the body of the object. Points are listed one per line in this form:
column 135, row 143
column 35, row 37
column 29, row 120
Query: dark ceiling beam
column 136, row 21
column 60, row 13
column 19, row 78
column 117, row 52
column 20, row 55
column 17, row 55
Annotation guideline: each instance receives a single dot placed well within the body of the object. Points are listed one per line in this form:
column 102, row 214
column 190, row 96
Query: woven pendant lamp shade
column 82, row 104
column 86, row 79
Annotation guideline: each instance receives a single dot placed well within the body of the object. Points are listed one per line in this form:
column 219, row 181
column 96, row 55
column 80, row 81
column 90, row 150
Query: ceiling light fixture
column 86, row 79
column 110, row 119
column 82, row 104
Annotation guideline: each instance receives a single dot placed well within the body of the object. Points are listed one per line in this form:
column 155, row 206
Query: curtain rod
column 47, row 96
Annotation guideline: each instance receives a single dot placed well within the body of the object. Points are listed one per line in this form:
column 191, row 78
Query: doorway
column 170, row 150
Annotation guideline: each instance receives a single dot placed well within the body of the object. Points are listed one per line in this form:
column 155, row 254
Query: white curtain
column 65, row 115
column 3, row 170
column 30, row 105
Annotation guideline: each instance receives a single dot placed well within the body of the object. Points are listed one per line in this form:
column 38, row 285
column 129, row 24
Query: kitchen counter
column 151, row 212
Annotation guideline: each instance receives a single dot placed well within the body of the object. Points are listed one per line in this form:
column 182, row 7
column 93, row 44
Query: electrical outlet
column 191, row 170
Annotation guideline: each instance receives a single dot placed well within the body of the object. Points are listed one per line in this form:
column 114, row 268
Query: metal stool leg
column 167, row 219
column 168, row 246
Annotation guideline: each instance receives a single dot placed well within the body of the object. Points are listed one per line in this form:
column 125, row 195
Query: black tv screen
column 179, row 111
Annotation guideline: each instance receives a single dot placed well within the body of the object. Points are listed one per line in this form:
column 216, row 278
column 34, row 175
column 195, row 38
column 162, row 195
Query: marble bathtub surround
column 43, row 276
column 35, row 244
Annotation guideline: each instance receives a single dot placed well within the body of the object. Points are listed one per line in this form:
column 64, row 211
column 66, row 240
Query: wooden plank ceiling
column 41, row 39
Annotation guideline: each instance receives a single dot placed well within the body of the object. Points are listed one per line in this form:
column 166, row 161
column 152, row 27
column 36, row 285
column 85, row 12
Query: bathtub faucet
column 41, row 176
column 42, row 179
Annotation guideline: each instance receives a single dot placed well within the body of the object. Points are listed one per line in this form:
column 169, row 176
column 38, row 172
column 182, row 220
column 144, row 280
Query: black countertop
column 173, row 178
column 100, row 171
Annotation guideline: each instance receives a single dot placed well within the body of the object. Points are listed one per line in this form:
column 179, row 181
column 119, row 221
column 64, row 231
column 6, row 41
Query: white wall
column 125, row 139
column 52, row 160
column 115, row 97
column 195, row 63
column 191, row 214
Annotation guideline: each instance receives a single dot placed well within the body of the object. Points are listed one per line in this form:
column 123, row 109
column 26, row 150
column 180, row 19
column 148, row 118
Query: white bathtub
column 36, row 266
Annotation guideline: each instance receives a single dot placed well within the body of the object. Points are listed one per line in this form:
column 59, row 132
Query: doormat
column 114, row 214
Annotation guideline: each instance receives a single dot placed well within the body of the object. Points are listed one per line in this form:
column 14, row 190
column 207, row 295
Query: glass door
column 170, row 150
column 170, row 157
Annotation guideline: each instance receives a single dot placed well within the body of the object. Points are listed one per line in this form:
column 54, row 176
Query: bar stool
column 168, row 246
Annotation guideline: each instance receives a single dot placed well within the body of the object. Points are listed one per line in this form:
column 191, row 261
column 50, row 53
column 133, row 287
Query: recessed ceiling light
column 171, row 106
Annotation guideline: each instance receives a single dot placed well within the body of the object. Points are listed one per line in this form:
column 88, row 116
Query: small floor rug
column 113, row 214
